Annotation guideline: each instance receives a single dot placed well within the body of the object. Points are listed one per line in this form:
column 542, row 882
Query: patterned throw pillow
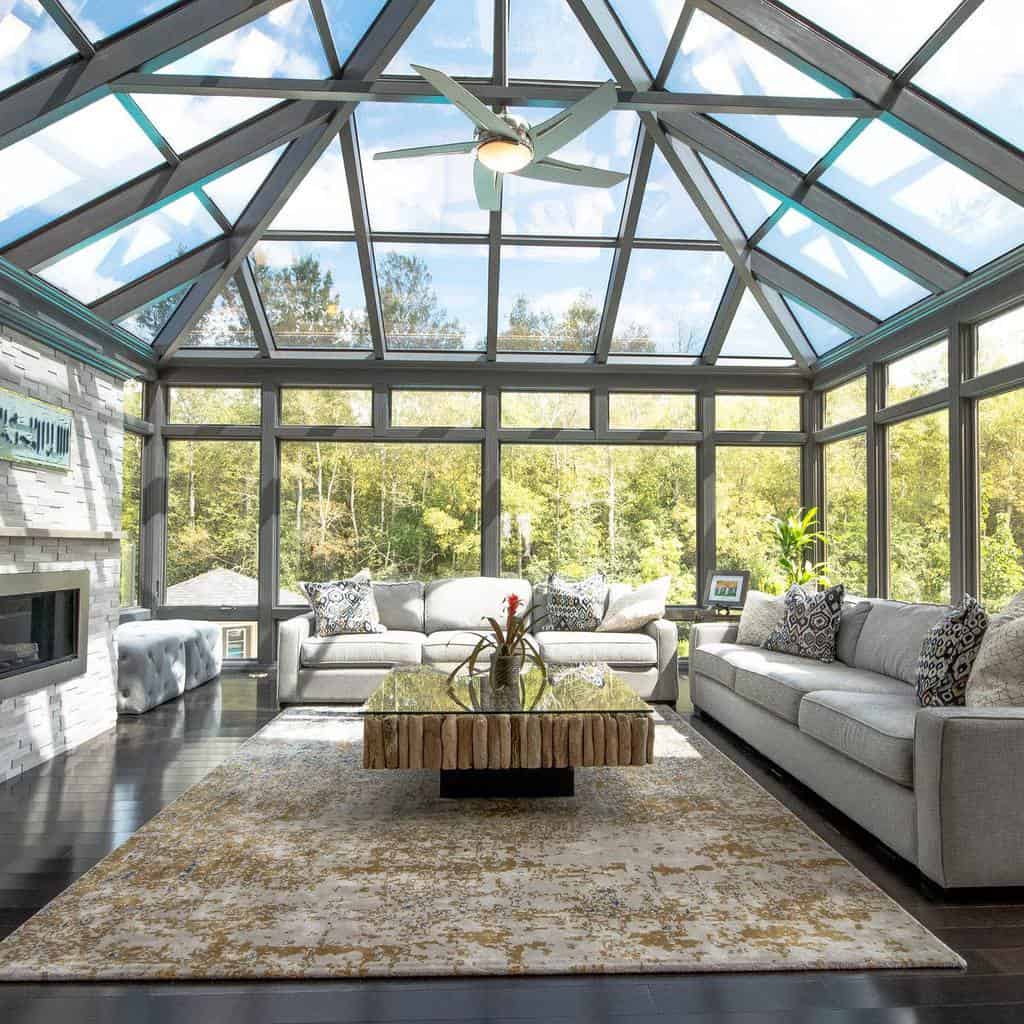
column 948, row 653
column 576, row 607
column 344, row 606
column 810, row 625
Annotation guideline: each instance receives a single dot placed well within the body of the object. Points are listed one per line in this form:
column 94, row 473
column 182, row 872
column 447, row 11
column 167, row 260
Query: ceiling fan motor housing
column 500, row 153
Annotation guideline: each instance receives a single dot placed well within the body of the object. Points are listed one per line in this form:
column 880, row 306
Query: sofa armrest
column 290, row 635
column 968, row 763
column 666, row 636
column 713, row 633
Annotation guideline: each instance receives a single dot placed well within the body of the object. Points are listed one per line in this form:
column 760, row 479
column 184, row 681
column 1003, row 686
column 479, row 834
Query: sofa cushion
column 465, row 603
column 395, row 647
column 778, row 682
column 400, row 605
column 851, row 623
column 875, row 730
column 890, row 640
column 450, row 646
column 715, row 660
column 562, row 648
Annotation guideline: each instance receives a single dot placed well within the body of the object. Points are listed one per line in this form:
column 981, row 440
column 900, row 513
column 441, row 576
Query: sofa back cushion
column 464, row 603
column 851, row 623
column 890, row 640
column 400, row 605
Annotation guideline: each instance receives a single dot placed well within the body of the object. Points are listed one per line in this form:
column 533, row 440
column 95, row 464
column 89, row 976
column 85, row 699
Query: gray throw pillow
column 576, row 607
column 810, row 625
column 997, row 678
column 761, row 614
column 948, row 653
column 344, row 606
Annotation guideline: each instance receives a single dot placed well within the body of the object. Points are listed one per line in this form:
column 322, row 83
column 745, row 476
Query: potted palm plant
column 794, row 534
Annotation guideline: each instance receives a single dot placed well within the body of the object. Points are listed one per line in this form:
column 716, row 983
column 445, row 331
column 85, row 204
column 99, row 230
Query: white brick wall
column 37, row 726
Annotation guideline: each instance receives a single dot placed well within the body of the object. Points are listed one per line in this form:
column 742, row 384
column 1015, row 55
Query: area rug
column 291, row 861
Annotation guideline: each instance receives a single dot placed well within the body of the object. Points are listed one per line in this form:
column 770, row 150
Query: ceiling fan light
column 504, row 155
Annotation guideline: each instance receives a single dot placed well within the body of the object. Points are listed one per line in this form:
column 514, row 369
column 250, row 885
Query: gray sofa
column 940, row 786
column 438, row 624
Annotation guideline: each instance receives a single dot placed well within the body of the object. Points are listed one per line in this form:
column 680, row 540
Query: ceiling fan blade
column 572, row 174
column 446, row 149
column 556, row 131
column 487, row 184
column 479, row 113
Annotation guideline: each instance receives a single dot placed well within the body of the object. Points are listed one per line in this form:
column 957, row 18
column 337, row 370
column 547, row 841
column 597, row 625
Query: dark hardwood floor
column 60, row 819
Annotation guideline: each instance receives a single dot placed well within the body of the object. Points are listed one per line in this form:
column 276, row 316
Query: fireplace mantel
column 59, row 533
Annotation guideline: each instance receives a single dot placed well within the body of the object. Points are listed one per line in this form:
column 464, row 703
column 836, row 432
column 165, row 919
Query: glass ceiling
column 547, row 257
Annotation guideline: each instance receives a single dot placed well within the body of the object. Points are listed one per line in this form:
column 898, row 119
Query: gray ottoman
column 203, row 650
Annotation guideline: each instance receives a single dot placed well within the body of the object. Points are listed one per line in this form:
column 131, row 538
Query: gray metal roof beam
column 612, row 41
column 724, row 316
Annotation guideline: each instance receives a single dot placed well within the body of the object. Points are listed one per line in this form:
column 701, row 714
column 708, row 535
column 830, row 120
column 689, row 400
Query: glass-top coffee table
column 489, row 741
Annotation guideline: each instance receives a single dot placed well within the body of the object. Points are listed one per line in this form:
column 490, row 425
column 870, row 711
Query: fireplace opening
column 37, row 630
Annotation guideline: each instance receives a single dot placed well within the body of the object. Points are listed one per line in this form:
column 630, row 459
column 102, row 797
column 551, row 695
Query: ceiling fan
column 505, row 144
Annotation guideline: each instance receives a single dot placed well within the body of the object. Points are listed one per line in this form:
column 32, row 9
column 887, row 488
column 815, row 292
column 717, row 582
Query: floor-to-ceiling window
column 846, row 513
column 131, row 506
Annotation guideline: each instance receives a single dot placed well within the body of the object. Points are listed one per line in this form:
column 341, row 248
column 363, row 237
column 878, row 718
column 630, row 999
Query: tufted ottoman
column 161, row 659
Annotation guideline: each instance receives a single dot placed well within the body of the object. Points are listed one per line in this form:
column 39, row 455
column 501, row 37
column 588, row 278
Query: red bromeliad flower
column 514, row 601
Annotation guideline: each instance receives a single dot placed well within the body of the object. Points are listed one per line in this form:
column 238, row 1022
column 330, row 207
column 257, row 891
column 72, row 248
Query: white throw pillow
column 997, row 678
column 761, row 614
column 634, row 609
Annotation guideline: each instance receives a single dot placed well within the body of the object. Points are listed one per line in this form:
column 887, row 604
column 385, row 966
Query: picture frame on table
column 726, row 589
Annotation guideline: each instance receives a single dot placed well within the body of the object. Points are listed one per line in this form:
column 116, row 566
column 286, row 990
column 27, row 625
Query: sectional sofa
column 438, row 624
column 940, row 786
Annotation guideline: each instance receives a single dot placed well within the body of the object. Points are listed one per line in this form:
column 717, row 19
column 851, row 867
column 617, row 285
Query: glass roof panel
column 650, row 24
column 667, row 211
column 546, row 41
column 101, row 18
column 232, row 191
column 60, row 167
column 839, row 265
column 980, row 70
column 715, row 59
column 907, row 24
column 433, row 296
column 224, row 325
column 531, row 207
column 669, row 300
column 111, row 262
column 822, row 333
column 926, row 197
column 145, row 323
column 798, row 140
column 313, row 294
column 187, row 121
column 431, row 193
column 751, row 335
column 320, row 202
column 551, row 297
column 29, row 41
column 455, row 36
column 349, row 20
column 750, row 205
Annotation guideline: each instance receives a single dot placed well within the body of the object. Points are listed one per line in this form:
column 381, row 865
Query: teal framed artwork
column 34, row 433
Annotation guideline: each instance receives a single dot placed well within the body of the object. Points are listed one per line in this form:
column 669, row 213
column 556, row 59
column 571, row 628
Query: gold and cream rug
column 291, row 861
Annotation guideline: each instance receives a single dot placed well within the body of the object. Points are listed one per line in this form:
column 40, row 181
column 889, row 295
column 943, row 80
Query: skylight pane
column 433, row 296
column 349, row 20
column 224, row 325
column 926, row 197
column 455, row 36
column 845, row 268
column 29, row 41
column 546, row 41
column 101, row 18
column 531, row 207
column 668, row 301
column 715, row 59
column 907, row 24
column 751, row 335
column 188, row 121
column 431, row 193
column 320, row 202
column 313, row 294
column 667, row 211
column 145, row 323
column 750, row 205
column 980, row 70
column 550, row 298
column 60, row 167
column 650, row 24
column 111, row 262
column 822, row 333
column 798, row 140
column 233, row 191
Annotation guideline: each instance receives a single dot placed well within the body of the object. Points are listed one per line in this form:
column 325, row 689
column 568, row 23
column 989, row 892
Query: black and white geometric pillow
column 810, row 625
column 576, row 607
column 344, row 606
column 947, row 655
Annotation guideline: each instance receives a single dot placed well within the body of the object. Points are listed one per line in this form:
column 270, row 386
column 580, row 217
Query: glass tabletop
column 588, row 688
